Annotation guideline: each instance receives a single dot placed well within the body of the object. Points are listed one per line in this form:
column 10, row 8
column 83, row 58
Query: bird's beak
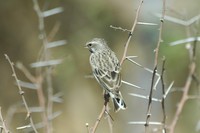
column 85, row 47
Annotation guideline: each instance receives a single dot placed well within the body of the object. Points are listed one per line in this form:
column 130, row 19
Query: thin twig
column 186, row 88
column 104, row 109
column 21, row 92
column 131, row 32
column 163, row 96
column 119, row 28
column 54, row 31
column 38, row 81
column 26, row 72
column 155, row 69
column 150, row 102
column 4, row 127
column 98, row 119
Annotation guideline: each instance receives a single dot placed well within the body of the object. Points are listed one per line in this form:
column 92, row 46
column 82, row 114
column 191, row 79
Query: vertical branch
column 155, row 68
column 163, row 96
column 186, row 88
column 150, row 101
column 40, row 90
column 48, row 70
column 160, row 34
column 21, row 92
column 131, row 32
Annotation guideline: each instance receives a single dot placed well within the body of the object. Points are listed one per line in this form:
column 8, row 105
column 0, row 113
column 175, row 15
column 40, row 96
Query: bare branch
column 155, row 69
column 21, row 92
column 131, row 32
column 184, row 97
column 119, row 28
column 163, row 96
column 45, row 61
column 104, row 109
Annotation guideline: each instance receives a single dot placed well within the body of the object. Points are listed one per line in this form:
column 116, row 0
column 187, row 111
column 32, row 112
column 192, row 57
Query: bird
column 106, row 70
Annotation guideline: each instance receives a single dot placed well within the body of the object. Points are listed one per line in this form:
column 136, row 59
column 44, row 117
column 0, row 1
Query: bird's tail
column 119, row 103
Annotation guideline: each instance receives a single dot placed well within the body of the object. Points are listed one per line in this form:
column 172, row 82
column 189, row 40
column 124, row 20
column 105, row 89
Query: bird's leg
column 106, row 98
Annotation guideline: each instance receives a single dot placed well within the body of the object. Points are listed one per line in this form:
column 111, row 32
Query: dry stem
column 163, row 96
column 155, row 69
column 131, row 32
column 104, row 109
column 21, row 92
column 185, row 95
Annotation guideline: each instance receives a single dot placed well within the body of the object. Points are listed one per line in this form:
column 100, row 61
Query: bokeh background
column 82, row 97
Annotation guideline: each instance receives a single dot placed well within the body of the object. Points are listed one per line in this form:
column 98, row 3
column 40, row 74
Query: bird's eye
column 90, row 44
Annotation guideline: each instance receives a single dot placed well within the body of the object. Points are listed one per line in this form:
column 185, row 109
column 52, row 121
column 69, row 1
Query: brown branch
column 38, row 81
column 184, row 98
column 163, row 96
column 48, row 70
column 186, row 88
column 131, row 32
column 26, row 72
column 155, row 69
column 21, row 92
column 150, row 101
column 54, row 31
column 104, row 109
column 93, row 129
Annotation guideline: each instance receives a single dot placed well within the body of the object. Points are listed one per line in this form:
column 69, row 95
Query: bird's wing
column 108, row 79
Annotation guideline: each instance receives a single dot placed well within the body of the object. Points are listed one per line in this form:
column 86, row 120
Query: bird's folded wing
column 109, row 80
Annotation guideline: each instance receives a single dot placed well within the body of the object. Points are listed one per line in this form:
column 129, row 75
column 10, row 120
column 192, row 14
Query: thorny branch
column 131, row 32
column 155, row 68
column 186, row 88
column 48, row 70
column 104, row 110
column 21, row 92
column 45, row 56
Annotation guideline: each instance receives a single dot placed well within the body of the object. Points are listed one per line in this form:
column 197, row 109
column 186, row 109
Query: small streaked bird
column 106, row 70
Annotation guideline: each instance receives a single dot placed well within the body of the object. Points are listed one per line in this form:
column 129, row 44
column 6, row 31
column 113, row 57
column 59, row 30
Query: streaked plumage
column 106, row 70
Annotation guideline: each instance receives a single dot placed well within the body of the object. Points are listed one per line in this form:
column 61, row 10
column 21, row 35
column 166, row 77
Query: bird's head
column 96, row 44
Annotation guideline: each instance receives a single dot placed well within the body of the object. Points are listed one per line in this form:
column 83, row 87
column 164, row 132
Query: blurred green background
column 80, row 22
